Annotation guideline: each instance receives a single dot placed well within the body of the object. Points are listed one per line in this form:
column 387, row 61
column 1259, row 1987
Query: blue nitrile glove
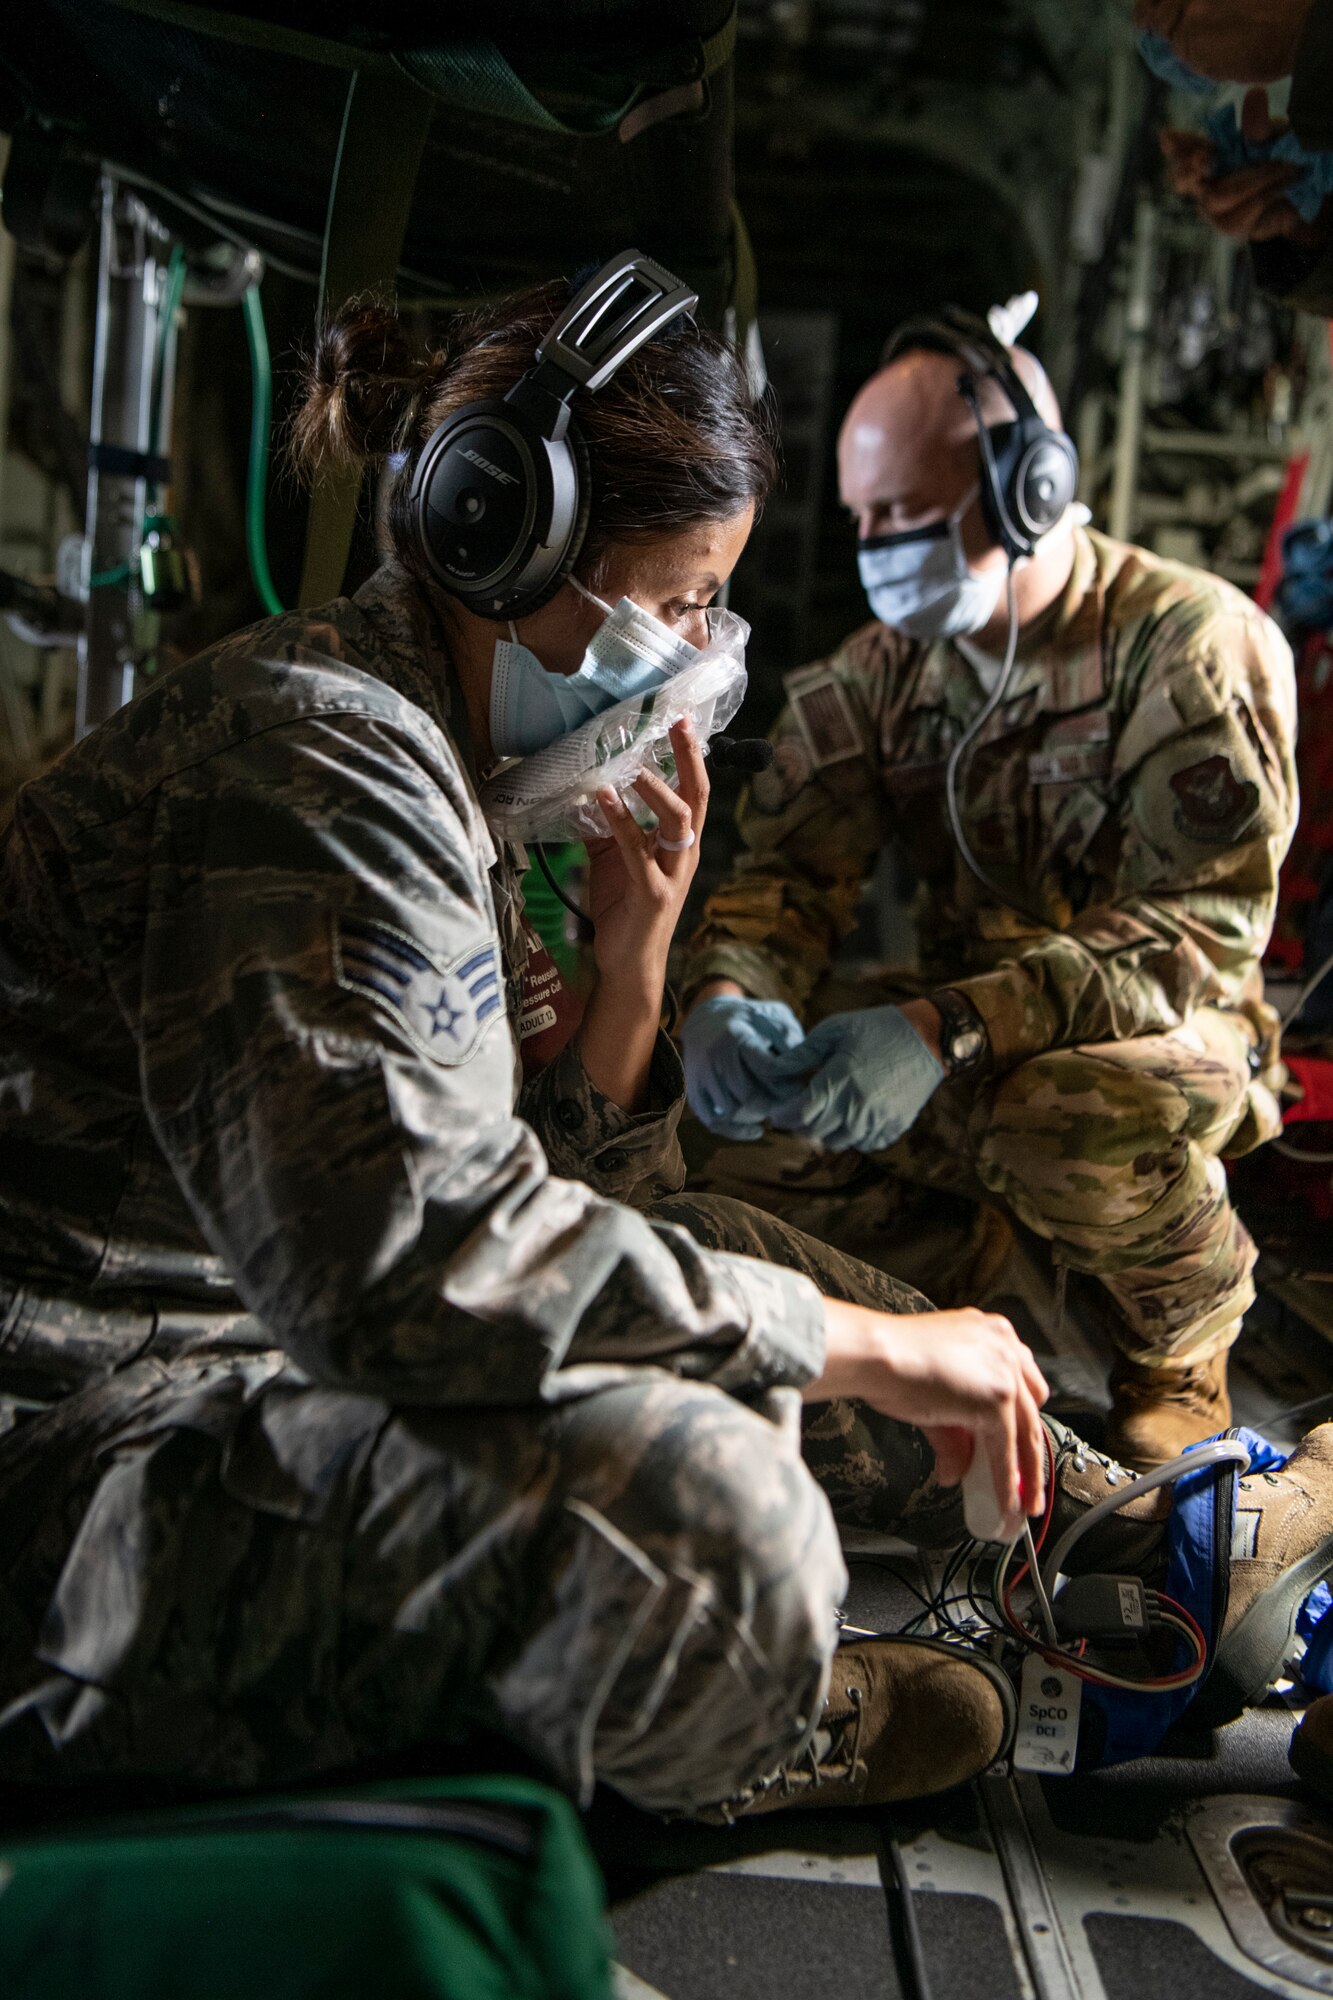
column 722, row 1038
column 1232, row 150
column 857, row 1080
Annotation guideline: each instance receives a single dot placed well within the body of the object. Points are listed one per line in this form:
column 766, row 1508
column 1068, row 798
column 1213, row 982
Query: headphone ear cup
column 1036, row 478
column 1046, row 480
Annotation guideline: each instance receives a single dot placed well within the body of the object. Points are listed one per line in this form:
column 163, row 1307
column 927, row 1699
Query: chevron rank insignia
column 444, row 1009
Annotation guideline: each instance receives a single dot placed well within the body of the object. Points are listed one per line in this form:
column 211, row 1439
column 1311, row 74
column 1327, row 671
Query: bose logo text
column 475, row 458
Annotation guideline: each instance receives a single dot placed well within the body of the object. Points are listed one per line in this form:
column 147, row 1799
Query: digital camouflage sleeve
column 1137, row 787
column 260, row 907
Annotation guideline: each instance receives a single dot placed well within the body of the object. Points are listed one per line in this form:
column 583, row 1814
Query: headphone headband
column 1029, row 471
column 966, row 335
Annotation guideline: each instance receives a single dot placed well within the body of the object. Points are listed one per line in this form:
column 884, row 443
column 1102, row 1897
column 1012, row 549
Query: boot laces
column 1078, row 1451
column 819, row 1763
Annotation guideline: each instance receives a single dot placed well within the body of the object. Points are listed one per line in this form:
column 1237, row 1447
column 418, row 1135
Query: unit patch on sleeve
column 443, row 1008
column 1212, row 803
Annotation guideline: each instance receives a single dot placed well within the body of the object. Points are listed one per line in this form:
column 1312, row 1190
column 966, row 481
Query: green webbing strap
column 385, row 122
column 475, row 76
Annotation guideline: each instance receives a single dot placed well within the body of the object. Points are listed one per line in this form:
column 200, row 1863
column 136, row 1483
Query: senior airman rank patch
column 444, row 1009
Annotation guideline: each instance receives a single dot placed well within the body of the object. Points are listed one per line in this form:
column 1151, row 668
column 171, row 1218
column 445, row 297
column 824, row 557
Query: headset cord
column 960, row 751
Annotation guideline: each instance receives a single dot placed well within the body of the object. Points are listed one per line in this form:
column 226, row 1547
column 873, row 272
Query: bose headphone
column 1029, row 471
column 500, row 493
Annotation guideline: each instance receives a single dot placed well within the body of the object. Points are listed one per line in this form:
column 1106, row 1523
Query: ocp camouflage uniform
column 345, row 1401
column 1137, row 790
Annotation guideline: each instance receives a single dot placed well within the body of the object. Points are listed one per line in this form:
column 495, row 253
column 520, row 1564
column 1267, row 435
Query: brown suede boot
column 1156, row 1412
column 1281, row 1546
column 903, row 1718
column 1311, row 1752
column 1132, row 1540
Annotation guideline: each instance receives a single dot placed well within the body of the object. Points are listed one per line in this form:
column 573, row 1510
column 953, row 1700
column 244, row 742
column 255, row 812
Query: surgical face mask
column 630, row 653
column 922, row 584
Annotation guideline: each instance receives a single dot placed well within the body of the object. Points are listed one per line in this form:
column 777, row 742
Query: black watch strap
column 964, row 1043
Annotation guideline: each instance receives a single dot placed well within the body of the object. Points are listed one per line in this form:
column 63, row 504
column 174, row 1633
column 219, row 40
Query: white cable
column 1039, row 1588
column 1290, row 1152
column 1224, row 1451
column 1317, row 980
column 1080, row 1667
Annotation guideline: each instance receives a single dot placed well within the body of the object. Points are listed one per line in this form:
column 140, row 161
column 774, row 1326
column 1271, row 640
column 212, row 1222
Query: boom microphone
column 741, row 753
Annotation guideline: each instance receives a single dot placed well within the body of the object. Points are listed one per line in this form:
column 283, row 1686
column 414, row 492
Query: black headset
column 1029, row 472
column 500, row 493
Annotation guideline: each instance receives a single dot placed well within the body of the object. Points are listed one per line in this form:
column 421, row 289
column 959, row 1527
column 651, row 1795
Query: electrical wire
column 1166, row 1612
column 1039, row 1588
column 1224, row 1451
column 954, row 767
column 256, row 479
column 555, row 888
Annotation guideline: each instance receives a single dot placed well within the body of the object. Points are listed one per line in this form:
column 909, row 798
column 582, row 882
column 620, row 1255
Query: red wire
column 1166, row 1682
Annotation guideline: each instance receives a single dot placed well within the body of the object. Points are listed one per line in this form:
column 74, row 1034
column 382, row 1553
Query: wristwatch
column 964, row 1043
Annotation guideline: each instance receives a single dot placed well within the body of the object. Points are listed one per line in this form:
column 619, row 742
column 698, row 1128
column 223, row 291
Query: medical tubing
column 256, row 481
column 1223, row 1451
column 960, row 750
column 1317, row 979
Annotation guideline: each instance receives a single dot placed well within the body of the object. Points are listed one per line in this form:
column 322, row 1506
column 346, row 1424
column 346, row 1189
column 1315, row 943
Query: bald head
column 907, row 451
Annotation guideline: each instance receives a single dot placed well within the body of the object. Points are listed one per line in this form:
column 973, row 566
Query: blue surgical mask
column 1163, row 61
column 630, row 653
column 922, row 584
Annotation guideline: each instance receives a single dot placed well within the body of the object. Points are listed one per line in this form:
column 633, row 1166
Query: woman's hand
column 637, row 887
column 964, row 1378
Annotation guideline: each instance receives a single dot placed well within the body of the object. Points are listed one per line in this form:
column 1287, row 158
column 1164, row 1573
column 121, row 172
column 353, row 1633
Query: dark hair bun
column 361, row 385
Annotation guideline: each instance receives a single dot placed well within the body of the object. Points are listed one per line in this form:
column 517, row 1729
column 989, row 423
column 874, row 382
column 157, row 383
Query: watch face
column 967, row 1045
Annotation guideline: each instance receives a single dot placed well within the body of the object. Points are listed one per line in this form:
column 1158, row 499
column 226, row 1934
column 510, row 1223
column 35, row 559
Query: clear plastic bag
column 551, row 795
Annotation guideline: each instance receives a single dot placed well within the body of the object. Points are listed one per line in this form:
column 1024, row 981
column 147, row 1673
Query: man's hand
column 964, row 1378
column 726, row 1035
column 1251, row 203
column 858, row 1080
column 1233, row 41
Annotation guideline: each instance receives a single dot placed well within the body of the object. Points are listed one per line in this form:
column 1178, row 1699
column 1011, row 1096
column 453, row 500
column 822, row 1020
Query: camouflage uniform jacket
column 260, row 967
column 1136, row 788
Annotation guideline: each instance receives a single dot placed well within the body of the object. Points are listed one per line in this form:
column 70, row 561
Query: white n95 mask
column 551, row 794
column 922, row 584
column 630, row 653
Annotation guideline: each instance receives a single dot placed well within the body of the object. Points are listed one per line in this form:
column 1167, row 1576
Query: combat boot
column 1133, row 1539
column 903, row 1718
column 1156, row 1412
column 1311, row 1752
